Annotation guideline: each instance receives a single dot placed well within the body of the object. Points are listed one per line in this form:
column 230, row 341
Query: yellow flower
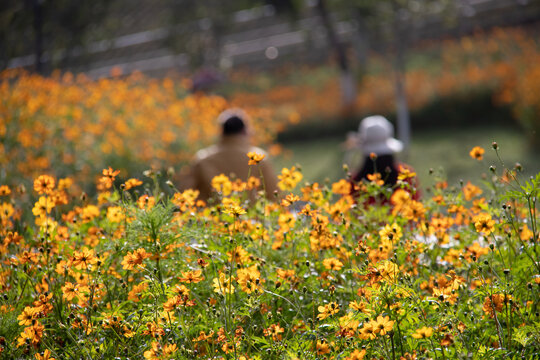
column 383, row 325
column 89, row 212
column 115, row 214
column 368, row 331
column 238, row 255
column 25, row 318
column 43, row 206
column 391, row 233
column 222, row 183
column 423, row 332
column 327, row 310
column 65, row 183
column 477, row 153
column 356, row 355
column 289, row 200
column 254, row 158
column 69, row 291
column 289, row 178
column 249, row 279
column 223, row 285
column 405, row 173
column 359, row 306
column 484, row 224
column 332, row 264
column 234, row 210
column 6, row 210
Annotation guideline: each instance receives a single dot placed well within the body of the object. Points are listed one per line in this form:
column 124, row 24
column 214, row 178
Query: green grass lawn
column 445, row 151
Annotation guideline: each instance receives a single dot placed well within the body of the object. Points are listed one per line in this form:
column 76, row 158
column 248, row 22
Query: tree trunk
column 402, row 106
column 348, row 86
column 402, row 110
column 38, row 35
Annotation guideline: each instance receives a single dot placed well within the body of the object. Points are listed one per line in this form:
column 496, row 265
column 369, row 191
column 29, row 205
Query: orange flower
column 110, row 173
column 4, row 190
column 477, row 153
column 46, row 355
column 83, row 259
column 342, row 187
column 423, row 333
column 131, row 260
column 375, row 179
column 131, row 183
column 193, row 276
column 31, row 334
column 274, row 331
column 146, row 202
column 322, row 347
column 470, row 191
column 495, row 303
column 332, row 264
column 134, row 294
column 69, row 291
column 249, row 279
column 44, row 184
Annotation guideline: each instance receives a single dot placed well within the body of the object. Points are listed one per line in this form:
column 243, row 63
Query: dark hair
column 383, row 164
column 233, row 125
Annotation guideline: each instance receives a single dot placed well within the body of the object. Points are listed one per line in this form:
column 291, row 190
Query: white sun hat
column 376, row 135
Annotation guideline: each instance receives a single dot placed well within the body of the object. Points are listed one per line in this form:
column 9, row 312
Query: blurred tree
column 394, row 25
column 197, row 27
column 348, row 86
column 287, row 7
column 15, row 30
column 57, row 27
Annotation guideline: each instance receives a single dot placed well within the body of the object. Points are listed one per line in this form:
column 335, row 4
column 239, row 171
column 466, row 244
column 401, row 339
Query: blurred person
column 375, row 138
column 229, row 157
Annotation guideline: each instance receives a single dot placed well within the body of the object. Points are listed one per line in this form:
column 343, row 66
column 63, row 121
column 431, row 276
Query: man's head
column 233, row 122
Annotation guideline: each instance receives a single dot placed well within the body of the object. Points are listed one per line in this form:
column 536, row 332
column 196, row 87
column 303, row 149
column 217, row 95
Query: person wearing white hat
column 375, row 138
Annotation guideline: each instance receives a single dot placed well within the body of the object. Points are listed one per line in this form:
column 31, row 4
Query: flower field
column 135, row 274
column 76, row 126
column 102, row 260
